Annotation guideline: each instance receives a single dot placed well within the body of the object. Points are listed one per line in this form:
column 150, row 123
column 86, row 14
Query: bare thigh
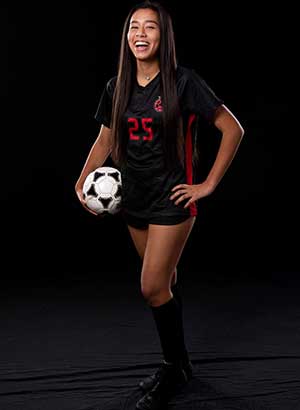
column 139, row 238
column 164, row 247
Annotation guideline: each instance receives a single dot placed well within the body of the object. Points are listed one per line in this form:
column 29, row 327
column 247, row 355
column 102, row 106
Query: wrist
column 210, row 185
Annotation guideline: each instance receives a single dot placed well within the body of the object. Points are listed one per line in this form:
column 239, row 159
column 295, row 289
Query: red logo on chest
column 158, row 105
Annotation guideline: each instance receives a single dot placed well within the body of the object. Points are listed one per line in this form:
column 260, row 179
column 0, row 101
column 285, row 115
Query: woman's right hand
column 79, row 193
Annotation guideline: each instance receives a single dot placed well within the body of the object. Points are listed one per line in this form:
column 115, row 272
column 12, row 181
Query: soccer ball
column 102, row 190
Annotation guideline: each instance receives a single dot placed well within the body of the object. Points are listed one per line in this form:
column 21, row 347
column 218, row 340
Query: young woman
column 148, row 114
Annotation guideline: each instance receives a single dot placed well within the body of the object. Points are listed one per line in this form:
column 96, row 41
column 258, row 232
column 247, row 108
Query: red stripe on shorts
column 188, row 160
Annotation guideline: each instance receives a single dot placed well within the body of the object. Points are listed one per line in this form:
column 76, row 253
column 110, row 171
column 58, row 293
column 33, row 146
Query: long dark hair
column 171, row 122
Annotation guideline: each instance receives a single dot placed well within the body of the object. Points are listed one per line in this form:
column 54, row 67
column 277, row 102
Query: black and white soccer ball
column 102, row 190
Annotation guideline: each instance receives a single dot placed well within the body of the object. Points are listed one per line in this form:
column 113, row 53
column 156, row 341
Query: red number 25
column 135, row 127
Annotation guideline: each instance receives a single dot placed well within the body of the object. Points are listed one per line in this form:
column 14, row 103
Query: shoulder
column 188, row 81
column 110, row 85
column 182, row 73
column 188, row 75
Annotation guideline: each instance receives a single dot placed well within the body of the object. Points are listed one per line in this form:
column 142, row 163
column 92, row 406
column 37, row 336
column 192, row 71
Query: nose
column 141, row 32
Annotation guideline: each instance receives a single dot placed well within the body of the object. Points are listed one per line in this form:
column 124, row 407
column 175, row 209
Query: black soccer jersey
column 143, row 122
column 143, row 115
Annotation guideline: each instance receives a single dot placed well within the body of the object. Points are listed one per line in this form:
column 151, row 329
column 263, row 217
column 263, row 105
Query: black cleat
column 150, row 381
column 171, row 379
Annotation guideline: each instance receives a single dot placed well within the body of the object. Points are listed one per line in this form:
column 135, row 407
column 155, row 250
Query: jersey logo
column 158, row 105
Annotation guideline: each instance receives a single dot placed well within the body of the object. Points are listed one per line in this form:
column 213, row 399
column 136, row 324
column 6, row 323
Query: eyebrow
column 146, row 21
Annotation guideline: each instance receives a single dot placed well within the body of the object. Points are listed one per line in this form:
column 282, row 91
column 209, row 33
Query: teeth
column 141, row 43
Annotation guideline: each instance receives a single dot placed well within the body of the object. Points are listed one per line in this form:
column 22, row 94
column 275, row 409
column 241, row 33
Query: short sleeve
column 198, row 97
column 103, row 112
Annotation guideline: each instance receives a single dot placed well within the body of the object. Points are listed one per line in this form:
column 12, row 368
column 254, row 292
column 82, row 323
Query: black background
column 76, row 332
column 56, row 59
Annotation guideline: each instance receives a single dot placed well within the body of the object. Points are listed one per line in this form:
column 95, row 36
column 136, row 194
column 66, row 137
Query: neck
column 147, row 70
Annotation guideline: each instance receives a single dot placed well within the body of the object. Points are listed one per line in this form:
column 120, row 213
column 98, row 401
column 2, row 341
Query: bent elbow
column 241, row 131
column 238, row 129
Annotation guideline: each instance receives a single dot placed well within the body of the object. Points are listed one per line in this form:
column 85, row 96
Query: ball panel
column 104, row 185
column 91, row 191
column 117, row 193
column 97, row 175
column 94, row 204
column 115, row 175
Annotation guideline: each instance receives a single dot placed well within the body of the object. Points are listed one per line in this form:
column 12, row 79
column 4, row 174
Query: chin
column 144, row 58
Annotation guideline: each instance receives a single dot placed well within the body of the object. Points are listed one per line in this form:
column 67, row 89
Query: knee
column 154, row 293
column 149, row 290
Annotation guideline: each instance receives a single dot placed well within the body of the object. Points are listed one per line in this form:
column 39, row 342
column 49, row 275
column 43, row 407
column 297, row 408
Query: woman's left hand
column 193, row 192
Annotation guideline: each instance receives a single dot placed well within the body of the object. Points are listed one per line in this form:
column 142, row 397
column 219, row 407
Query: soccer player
column 148, row 114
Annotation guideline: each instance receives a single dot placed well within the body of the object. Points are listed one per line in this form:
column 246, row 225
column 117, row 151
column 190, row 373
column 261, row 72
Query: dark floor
column 84, row 344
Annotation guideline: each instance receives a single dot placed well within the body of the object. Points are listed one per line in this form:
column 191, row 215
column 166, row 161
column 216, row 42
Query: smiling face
column 144, row 35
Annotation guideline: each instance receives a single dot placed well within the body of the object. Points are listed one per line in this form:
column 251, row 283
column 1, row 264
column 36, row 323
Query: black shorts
column 143, row 223
column 146, row 197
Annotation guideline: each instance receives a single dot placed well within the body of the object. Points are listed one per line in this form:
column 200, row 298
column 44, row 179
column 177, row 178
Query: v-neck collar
column 143, row 87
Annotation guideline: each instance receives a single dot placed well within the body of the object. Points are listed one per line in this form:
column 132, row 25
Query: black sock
column 169, row 324
column 177, row 295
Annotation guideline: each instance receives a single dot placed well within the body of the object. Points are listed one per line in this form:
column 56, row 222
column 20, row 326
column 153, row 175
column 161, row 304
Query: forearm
column 228, row 147
column 96, row 158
